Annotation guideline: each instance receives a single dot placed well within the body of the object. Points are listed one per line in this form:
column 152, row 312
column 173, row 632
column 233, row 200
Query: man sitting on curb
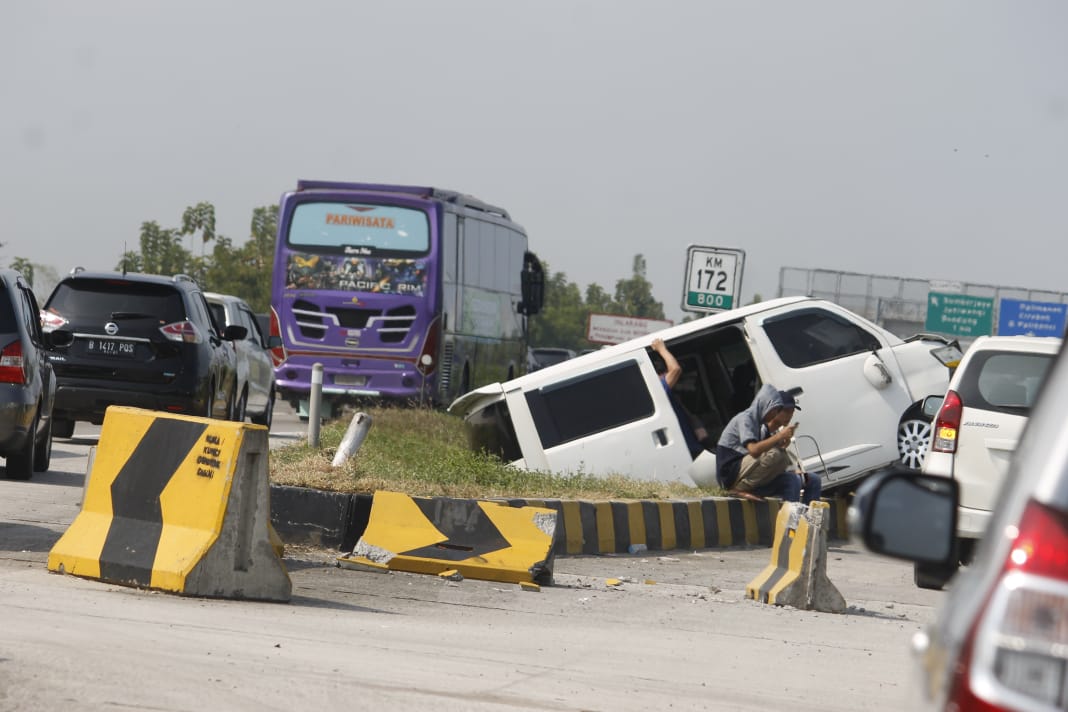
column 751, row 457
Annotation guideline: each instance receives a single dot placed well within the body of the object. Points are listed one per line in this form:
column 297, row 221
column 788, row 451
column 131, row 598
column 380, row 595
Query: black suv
column 139, row 340
column 27, row 385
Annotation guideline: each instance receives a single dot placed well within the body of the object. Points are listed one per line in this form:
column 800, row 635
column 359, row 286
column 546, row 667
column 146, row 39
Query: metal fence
column 898, row 304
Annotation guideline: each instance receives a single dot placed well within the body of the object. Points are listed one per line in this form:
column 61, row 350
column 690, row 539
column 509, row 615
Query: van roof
column 483, row 396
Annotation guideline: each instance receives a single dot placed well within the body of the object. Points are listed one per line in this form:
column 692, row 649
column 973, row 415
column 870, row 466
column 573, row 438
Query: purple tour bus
column 403, row 293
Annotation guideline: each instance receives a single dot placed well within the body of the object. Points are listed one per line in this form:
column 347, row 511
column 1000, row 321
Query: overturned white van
column 607, row 412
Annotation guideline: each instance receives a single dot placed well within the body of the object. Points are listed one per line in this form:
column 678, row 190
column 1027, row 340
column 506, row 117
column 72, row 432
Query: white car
column 982, row 415
column 607, row 412
column 255, row 370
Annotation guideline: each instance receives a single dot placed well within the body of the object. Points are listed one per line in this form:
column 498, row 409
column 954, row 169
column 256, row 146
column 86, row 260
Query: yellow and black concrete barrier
column 797, row 574
column 177, row 503
column 479, row 539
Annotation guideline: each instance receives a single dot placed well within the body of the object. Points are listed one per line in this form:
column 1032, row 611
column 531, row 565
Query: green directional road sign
column 959, row 314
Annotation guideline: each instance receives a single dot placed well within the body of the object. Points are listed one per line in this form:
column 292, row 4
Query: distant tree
column 199, row 218
column 634, row 296
column 565, row 315
column 161, row 252
column 24, row 267
column 245, row 271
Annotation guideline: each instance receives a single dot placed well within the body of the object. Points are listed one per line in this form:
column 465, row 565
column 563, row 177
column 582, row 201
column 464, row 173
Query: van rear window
column 589, row 404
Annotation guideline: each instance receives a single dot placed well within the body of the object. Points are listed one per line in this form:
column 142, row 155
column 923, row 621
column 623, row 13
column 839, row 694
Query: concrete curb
column 336, row 520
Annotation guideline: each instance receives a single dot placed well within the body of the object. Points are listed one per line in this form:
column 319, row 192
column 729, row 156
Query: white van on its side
column 607, row 412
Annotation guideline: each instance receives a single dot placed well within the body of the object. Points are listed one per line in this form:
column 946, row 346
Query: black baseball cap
column 788, row 400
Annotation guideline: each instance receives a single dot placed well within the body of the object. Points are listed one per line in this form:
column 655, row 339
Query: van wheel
column 932, row 576
column 913, row 438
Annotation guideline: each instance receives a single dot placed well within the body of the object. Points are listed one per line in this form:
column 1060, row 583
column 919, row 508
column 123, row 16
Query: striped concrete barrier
column 177, row 503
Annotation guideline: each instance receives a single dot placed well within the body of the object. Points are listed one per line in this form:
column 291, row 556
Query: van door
column 612, row 418
column 848, row 418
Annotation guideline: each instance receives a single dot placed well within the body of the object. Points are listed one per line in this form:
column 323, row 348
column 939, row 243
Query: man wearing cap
column 751, row 458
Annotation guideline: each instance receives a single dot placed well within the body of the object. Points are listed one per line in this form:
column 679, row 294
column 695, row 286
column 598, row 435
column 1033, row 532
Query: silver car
column 1000, row 641
column 255, row 369
column 977, row 428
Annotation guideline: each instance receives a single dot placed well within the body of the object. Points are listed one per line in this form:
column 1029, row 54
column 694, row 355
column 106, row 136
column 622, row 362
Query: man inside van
column 751, row 457
column 669, row 370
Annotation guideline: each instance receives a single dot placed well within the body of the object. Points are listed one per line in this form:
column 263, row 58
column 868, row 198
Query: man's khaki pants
column 757, row 471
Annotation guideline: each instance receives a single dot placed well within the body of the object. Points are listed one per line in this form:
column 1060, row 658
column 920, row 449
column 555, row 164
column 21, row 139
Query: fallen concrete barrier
column 797, row 574
column 479, row 539
column 180, row 504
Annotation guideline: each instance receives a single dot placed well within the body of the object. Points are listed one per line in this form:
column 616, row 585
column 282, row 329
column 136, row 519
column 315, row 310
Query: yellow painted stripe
column 606, row 530
column 636, row 523
column 697, row 525
column 723, row 519
column 667, row 525
column 573, row 527
column 749, row 518
column 798, row 541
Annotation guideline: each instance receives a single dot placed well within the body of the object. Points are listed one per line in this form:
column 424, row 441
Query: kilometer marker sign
column 713, row 278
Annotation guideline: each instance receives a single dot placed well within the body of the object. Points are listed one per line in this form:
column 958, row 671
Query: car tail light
column 278, row 353
column 947, row 424
column 50, row 321
column 11, row 363
column 184, row 331
column 1016, row 655
column 428, row 356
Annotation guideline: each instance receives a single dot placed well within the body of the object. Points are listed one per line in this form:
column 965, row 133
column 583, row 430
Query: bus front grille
column 392, row 327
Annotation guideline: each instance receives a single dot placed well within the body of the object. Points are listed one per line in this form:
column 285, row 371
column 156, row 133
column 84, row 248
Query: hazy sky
column 919, row 139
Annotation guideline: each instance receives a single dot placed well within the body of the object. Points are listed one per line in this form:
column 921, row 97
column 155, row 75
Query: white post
column 314, row 401
column 354, row 437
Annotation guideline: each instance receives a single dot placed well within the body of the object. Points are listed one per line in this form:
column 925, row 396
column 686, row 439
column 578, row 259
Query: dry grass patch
column 423, row 453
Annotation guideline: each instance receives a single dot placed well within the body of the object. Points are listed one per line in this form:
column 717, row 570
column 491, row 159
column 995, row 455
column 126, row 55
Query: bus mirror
column 532, row 283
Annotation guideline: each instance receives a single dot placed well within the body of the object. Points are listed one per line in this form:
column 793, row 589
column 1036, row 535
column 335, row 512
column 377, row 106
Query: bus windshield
column 359, row 229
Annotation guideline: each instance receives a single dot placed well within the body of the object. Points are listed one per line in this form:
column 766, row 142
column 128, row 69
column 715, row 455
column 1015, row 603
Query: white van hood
column 476, row 399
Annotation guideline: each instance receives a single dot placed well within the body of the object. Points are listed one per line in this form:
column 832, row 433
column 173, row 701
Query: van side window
column 814, row 336
column 590, row 403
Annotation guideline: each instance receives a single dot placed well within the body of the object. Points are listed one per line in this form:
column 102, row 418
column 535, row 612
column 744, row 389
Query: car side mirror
column 235, row 332
column 931, row 406
column 58, row 339
column 907, row 515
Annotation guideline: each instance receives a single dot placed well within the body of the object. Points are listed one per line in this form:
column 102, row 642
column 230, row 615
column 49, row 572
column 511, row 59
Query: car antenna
column 124, row 258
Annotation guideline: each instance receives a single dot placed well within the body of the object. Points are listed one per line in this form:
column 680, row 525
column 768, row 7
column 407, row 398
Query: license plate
column 107, row 347
column 346, row 380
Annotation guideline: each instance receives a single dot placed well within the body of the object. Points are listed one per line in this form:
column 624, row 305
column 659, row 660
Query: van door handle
column 660, row 437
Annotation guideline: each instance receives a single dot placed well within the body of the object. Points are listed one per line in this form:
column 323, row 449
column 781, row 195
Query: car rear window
column 82, row 300
column 1004, row 380
column 7, row 314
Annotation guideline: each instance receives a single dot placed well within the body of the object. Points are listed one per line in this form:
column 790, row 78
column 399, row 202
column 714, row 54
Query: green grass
column 424, row 453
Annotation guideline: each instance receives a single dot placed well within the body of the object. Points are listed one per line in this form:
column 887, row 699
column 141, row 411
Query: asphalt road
column 676, row 633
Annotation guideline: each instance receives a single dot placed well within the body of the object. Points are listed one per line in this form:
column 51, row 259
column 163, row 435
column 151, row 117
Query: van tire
column 913, row 438
column 62, row 428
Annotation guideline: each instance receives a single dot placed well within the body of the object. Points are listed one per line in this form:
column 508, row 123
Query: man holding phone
column 751, row 457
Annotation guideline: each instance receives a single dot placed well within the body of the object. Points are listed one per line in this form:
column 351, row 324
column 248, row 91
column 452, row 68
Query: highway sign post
column 713, row 278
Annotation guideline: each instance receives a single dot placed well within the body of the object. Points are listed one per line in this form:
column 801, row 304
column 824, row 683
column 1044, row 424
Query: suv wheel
column 42, row 450
column 268, row 412
column 240, row 407
column 932, row 576
column 62, row 428
column 20, row 464
column 913, row 437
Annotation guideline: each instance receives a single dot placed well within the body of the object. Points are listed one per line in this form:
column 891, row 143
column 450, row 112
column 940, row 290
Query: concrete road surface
column 675, row 633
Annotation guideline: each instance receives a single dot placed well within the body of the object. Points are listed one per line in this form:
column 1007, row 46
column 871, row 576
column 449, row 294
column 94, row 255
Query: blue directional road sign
column 1018, row 317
